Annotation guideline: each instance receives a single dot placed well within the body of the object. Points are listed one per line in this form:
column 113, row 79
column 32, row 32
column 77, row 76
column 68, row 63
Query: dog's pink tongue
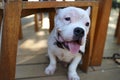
column 74, row 47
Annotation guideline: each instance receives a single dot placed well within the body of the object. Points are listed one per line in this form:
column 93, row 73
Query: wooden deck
column 32, row 59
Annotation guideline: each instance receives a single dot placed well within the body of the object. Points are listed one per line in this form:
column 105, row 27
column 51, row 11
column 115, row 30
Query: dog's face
column 72, row 26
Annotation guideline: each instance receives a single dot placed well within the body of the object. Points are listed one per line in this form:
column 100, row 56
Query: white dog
column 68, row 39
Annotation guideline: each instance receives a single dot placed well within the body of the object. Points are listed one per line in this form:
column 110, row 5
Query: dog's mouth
column 73, row 46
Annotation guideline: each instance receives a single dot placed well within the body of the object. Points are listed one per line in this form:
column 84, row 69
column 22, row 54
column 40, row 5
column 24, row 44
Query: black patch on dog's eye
column 67, row 18
column 87, row 24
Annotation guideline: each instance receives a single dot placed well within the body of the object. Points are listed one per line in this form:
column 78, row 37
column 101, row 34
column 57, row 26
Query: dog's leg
column 52, row 66
column 72, row 74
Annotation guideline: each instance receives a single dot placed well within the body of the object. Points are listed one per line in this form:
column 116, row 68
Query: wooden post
column 36, row 22
column 100, row 32
column 118, row 29
column 51, row 17
column 11, row 23
column 89, row 48
column 1, row 16
column 20, row 31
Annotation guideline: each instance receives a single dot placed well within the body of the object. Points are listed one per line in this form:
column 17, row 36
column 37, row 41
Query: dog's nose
column 78, row 32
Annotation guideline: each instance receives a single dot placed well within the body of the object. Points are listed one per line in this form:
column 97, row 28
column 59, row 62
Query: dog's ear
column 88, row 10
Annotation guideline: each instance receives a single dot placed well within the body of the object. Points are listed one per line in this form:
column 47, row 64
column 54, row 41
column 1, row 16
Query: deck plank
column 64, row 77
column 32, row 59
column 96, row 75
column 37, row 70
column 107, row 64
column 102, row 75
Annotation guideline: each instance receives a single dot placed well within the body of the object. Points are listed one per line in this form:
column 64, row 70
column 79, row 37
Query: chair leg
column 100, row 37
column 90, row 42
column 36, row 22
column 10, row 40
column 118, row 28
column 20, row 31
column 41, row 16
column 116, row 32
column 0, row 41
column 51, row 17
column 1, row 16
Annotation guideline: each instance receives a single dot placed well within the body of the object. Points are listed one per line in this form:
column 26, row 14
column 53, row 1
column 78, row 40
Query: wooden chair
column 11, row 22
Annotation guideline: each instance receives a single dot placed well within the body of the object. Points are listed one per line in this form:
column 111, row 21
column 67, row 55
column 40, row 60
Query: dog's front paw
column 73, row 76
column 50, row 69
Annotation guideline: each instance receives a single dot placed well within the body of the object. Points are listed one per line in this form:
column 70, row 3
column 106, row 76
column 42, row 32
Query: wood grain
column 100, row 32
column 10, row 33
column 89, row 48
column 55, row 4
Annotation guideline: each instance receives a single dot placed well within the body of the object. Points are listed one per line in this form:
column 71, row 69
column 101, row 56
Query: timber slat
column 47, row 4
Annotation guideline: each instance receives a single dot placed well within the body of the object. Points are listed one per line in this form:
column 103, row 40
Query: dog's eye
column 67, row 18
column 87, row 24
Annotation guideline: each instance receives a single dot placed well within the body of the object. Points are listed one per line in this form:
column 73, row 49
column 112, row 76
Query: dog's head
column 72, row 26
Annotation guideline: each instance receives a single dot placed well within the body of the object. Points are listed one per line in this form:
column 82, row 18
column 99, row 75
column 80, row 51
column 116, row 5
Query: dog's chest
column 64, row 55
